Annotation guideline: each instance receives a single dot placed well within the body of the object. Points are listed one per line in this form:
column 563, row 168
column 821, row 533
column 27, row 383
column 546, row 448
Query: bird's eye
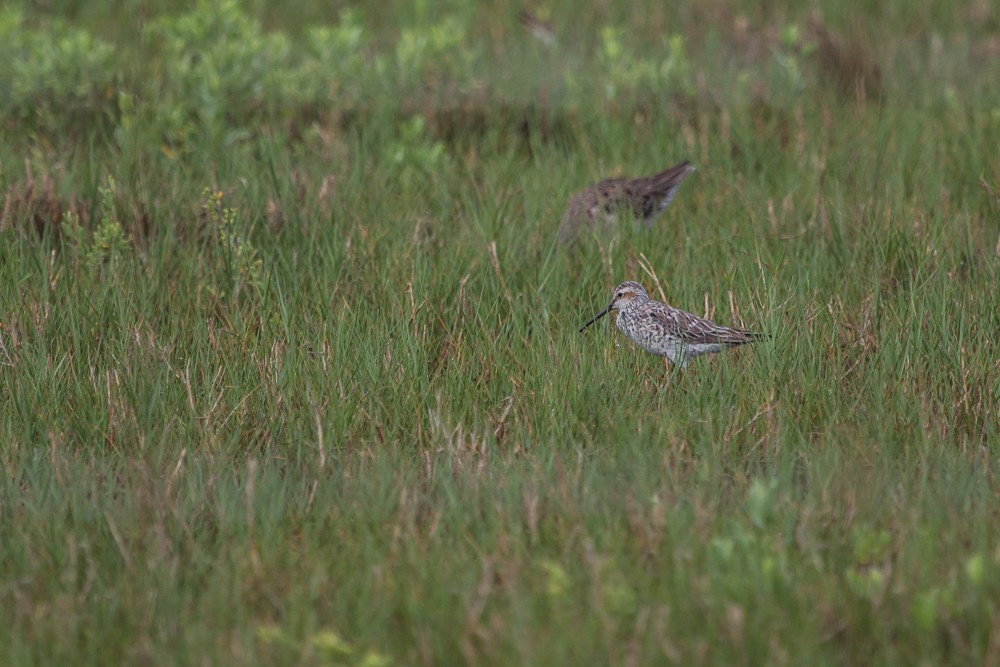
column 619, row 295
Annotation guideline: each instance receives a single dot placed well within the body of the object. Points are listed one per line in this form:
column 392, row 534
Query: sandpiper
column 641, row 198
column 667, row 331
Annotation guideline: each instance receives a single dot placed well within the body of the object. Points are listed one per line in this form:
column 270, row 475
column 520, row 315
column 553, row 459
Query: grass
column 302, row 383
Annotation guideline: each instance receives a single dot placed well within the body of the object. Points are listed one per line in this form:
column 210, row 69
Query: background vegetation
column 289, row 362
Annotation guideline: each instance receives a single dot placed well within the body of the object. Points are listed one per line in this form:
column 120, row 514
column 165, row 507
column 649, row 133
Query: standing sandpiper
column 666, row 331
column 642, row 198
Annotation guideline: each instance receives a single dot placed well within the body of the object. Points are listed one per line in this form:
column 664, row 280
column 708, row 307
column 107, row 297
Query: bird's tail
column 669, row 179
column 744, row 337
column 661, row 188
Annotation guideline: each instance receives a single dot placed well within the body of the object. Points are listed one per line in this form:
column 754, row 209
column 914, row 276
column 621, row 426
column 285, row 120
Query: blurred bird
column 640, row 198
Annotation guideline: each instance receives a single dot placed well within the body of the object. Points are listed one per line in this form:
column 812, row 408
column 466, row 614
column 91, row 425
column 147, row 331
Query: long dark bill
column 596, row 317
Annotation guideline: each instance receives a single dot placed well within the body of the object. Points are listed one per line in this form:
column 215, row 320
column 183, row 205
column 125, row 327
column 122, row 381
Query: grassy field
column 289, row 361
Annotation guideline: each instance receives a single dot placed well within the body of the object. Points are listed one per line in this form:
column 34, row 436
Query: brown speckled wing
column 694, row 330
column 609, row 195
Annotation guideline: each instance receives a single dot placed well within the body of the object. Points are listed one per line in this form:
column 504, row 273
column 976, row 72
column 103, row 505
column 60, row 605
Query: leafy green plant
column 624, row 73
column 327, row 645
column 219, row 71
column 793, row 46
column 108, row 243
column 239, row 269
column 867, row 577
column 336, row 66
column 109, row 239
column 438, row 53
column 415, row 151
column 52, row 73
